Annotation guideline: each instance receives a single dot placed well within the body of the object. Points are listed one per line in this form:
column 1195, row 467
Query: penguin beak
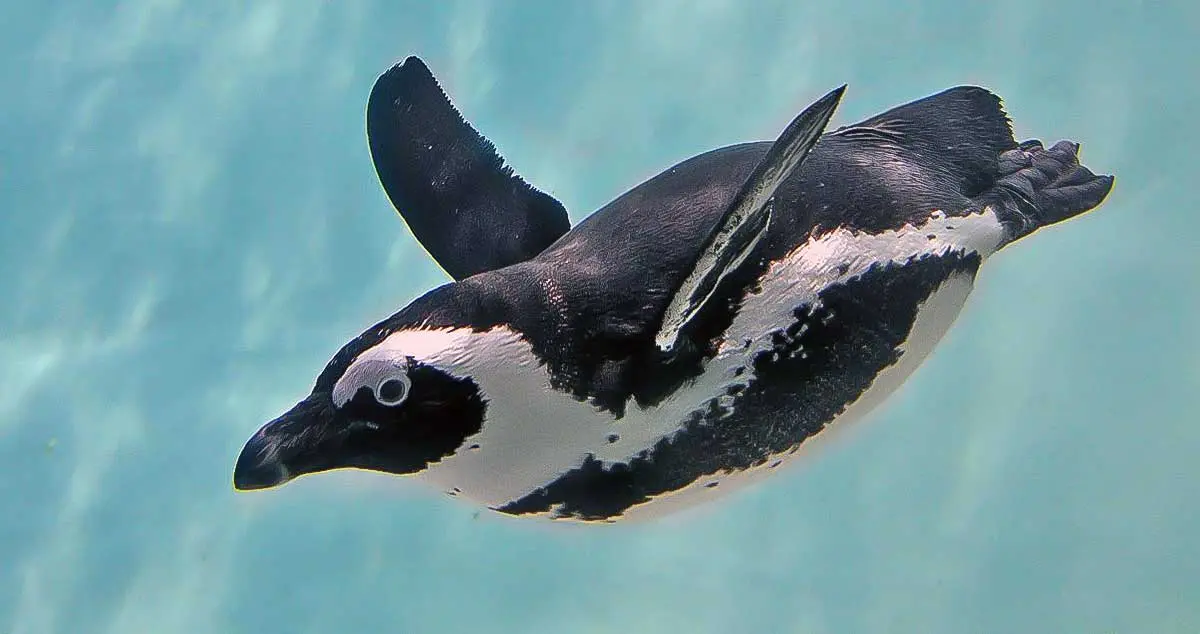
column 284, row 448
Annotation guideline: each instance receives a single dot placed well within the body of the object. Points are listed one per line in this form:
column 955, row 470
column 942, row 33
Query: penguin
column 684, row 340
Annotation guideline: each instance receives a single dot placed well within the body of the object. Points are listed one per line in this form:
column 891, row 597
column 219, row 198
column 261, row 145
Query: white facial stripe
column 370, row 371
column 533, row 433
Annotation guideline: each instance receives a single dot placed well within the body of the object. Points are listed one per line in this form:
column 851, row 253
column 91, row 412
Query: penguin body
column 685, row 339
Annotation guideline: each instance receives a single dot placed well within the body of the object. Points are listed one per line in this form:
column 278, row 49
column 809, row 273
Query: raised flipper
column 746, row 219
column 464, row 205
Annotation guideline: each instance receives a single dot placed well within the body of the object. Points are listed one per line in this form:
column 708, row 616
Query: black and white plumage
column 685, row 339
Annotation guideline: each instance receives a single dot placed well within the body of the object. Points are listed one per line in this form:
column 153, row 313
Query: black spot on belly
column 818, row 365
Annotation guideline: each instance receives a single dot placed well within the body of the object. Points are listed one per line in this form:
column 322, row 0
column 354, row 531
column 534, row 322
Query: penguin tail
column 1036, row 186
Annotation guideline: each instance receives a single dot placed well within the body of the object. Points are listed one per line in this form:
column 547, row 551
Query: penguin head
column 379, row 409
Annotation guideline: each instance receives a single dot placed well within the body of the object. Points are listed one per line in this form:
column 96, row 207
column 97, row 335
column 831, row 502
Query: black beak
column 283, row 448
column 258, row 467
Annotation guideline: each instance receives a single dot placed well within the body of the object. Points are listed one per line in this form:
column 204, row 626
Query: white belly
column 934, row 318
column 533, row 433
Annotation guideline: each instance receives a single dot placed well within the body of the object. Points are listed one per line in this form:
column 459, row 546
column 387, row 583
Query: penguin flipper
column 462, row 203
column 745, row 220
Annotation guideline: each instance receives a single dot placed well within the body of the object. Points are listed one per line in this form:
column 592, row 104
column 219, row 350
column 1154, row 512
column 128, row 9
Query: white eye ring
column 393, row 390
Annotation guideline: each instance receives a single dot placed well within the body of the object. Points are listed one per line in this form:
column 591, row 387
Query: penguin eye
column 391, row 391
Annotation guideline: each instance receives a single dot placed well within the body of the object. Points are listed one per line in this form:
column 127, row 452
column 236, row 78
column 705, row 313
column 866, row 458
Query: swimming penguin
column 685, row 339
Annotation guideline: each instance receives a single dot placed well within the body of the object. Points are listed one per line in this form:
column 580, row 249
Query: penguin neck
column 479, row 302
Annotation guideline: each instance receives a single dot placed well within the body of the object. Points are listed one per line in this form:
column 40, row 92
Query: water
column 191, row 226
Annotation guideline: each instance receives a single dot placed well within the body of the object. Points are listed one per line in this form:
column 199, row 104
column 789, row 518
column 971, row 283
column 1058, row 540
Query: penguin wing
column 745, row 220
column 462, row 203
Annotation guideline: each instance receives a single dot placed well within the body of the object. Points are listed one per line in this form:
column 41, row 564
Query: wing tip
column 410, row 63
column 416, row 136
column 411, row 79
column 406, row 77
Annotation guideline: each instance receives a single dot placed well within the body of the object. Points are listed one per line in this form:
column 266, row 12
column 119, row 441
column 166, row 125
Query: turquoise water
column 192, row 226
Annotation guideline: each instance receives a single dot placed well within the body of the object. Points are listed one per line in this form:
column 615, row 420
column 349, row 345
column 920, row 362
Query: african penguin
column 685, row 339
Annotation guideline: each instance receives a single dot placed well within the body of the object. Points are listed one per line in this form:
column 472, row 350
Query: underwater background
column 190, row 226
